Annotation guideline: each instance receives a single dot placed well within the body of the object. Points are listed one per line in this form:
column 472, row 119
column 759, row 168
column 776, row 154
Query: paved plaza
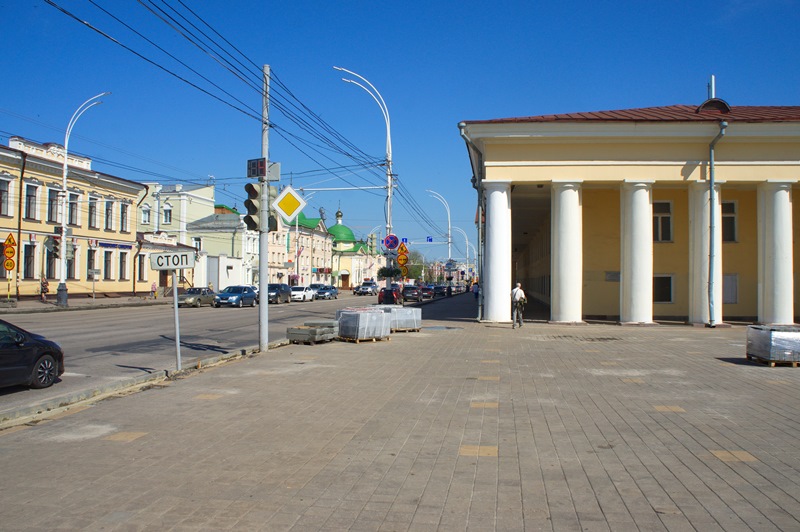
column 461, row 426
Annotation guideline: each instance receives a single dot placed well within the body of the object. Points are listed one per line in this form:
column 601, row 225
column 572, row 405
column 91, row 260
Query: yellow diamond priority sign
column 289, row 203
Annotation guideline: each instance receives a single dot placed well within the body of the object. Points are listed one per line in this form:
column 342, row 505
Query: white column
column 699, row 233
column 566, row 270
column 636, row 279
column 497, row 262
column 775, row 266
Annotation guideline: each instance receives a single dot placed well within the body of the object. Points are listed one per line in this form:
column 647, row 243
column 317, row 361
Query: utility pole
column 263, row 224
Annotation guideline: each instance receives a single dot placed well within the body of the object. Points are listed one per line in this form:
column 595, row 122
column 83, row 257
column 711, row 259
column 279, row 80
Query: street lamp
column 376, row 95
column 61, row 293
column 447, row 208
column 466, row 239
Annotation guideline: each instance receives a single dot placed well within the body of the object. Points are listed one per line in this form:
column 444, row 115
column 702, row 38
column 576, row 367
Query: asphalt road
column 113, row 345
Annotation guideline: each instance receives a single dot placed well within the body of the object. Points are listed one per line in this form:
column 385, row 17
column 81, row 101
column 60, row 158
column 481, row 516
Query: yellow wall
column 740, row 257
column 672, row 258
column 601, row 251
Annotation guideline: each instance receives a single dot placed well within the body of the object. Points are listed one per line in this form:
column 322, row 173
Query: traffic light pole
column 263, row 225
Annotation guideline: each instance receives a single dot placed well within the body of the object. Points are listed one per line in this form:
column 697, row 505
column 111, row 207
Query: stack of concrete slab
column 332, row 324
column 309, row 335
column 774, row 343
column 363, row 324
column 403, row 318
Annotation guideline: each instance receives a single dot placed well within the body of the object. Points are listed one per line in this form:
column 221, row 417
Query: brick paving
column 461, row 426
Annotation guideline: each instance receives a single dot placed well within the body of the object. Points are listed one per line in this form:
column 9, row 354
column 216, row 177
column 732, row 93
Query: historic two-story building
column 100, row 216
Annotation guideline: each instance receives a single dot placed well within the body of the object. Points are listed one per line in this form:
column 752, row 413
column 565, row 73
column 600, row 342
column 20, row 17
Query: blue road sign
column 429, row 239
column 405, row 241
column 391, row 242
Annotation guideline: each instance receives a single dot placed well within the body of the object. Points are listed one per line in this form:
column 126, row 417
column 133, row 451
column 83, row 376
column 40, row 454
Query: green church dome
column 342, row 233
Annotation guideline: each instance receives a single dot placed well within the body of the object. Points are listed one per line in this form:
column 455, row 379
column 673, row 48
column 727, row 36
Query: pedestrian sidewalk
column 461, row 426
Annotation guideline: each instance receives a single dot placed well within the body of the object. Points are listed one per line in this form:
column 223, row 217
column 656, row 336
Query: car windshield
column 194, row 291
column 273, row 287
column 234, row 290
column 298, row 288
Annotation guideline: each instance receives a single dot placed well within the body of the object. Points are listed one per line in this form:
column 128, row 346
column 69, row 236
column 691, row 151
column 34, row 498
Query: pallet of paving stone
column 779, row 343
column 309, row 335
column 405, row 330
column 404, row 319
column 773, row 363
column 362, row 340
column 364, row 324
column 333, row 324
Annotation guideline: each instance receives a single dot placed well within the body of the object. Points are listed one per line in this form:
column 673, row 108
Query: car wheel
column 44, row 372
column 253, row 303
column 197, row 304
column 239, row 303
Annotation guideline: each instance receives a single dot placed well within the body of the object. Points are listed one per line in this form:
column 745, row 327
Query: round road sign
column 391, row 241
column 402, row 260
column 9, row 252
column 8, row 264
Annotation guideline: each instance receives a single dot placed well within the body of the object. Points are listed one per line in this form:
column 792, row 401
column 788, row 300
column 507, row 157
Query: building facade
column 100, row 218
column 354, row 261
column 676, row 213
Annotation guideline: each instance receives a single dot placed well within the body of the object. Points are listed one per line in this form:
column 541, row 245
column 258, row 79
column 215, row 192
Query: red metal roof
column 670, row 113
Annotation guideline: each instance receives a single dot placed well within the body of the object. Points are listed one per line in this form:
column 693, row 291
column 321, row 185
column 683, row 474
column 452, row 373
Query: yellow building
column 101, row 223
column 678, row 212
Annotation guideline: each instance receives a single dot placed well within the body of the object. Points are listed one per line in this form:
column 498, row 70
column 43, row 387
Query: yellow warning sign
column 10, row 240
column 402, row 260
column 403, row 249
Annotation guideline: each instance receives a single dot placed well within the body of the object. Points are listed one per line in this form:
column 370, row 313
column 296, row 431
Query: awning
column 344, row 272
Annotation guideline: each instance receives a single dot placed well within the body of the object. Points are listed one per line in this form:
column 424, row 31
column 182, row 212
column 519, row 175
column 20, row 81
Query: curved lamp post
column 61, row 294
column 447, row 208
column 376, row 95
column 466, row 239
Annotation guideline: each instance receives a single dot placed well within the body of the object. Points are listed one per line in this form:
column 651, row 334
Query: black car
column 28, row 359
column 411, row 293
column 279, row 293
column 439, row 290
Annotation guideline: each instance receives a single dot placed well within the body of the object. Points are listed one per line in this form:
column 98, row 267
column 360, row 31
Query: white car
column 302, row 293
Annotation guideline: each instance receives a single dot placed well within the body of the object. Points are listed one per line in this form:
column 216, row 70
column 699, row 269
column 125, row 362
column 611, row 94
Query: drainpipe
column 21, row 194
column 138, row 243
column 712, row 223
column 477, row 184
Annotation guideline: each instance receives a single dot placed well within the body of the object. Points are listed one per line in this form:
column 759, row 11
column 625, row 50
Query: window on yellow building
column 662, row 289
column 729, row 221
column 662, row 221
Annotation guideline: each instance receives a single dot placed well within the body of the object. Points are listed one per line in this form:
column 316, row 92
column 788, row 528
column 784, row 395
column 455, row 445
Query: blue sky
column 435, row 64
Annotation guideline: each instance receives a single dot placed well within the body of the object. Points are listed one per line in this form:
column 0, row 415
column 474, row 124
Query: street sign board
column 391, row 254
column 10, row 240
column 404, row 271
column 9, row 264
column 179, row 260
column 9, row 252
column 289, row 204
column 402, row 260
column 403, row 249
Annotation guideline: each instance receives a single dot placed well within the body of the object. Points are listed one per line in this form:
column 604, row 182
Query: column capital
column 496, row 185
column 638, row 183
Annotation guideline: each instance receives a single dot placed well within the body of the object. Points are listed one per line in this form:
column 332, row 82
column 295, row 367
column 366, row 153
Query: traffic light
column 55, row 252
column 253, row 206
column 273, row 214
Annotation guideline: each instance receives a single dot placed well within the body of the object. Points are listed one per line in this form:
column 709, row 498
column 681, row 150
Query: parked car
column 28, row 359
column 236, row 296
column 196, row 297
column 367, row 288
column 328, row 292
column 411, row 293
column 302, row 293
column 255, row 289
column 279, row 293
column 316, row 287
column 426, row 291
column 394, row 297
column 439, row 290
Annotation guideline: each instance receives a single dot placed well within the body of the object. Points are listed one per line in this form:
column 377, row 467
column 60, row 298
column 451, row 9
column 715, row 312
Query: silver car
column 196, row 297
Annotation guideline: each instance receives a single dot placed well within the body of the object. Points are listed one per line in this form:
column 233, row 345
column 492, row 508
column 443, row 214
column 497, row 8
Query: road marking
column 483, row 405
column 734, row 456
column 477, row 450
column 667, row 408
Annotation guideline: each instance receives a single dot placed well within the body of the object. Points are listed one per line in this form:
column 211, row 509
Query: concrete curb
column 63, row 402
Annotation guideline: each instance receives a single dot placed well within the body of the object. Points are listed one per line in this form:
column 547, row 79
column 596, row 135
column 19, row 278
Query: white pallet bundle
column 363, row 324
column 403, row 318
